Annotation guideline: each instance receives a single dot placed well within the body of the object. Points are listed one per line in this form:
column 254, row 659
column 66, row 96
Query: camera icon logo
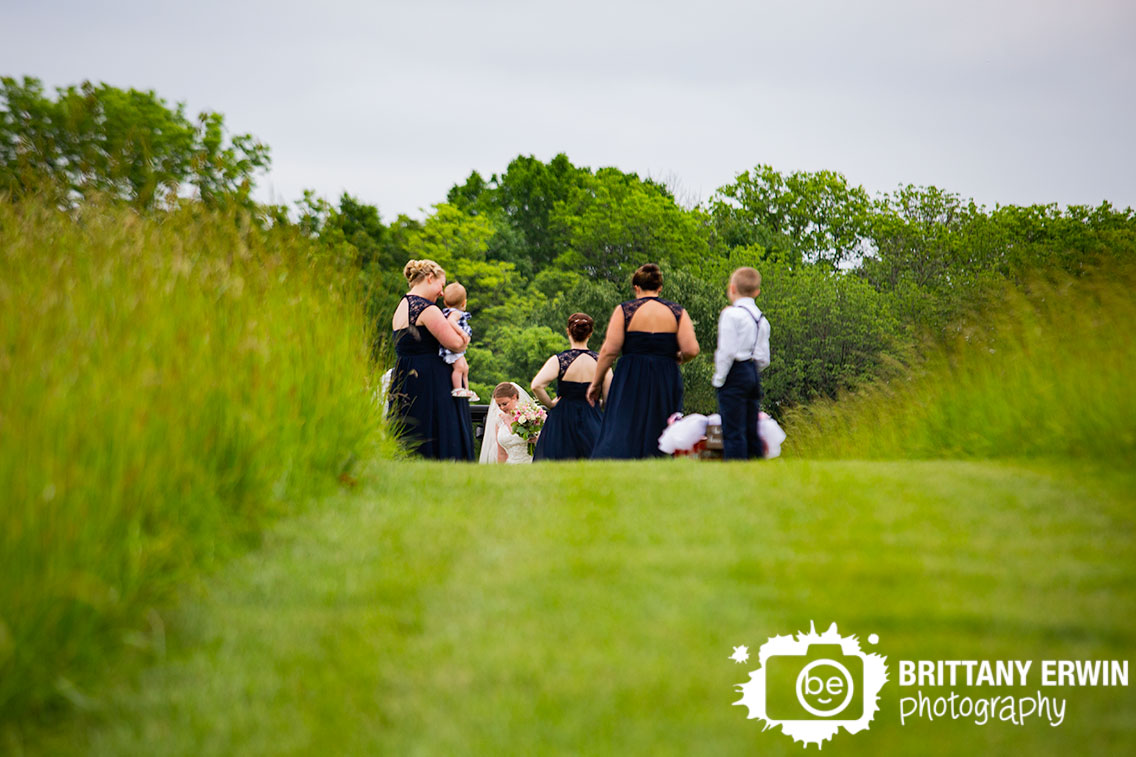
column 815, row 684
column 821, row 683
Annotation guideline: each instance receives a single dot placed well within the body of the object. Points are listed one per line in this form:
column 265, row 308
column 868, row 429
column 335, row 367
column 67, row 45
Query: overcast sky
column 1005, row 101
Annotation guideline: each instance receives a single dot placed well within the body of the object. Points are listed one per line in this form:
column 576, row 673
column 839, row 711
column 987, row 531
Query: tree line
column 853, row 281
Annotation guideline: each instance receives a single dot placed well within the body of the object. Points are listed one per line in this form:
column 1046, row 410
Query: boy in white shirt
column 743, row 352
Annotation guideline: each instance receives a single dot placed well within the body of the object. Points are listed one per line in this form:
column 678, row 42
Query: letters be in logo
column 814, row 685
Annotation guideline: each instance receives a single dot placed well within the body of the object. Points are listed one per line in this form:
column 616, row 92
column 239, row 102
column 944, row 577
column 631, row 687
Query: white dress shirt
column 739, row 338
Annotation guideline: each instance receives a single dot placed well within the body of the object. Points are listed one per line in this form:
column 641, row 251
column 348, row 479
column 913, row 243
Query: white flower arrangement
column 528, row 420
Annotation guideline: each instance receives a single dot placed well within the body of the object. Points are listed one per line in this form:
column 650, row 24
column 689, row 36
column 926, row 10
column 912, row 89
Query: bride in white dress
column 500, row 444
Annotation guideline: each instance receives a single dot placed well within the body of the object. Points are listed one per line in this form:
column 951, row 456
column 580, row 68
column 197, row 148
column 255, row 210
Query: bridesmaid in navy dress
column 434, row 424
column 654, row 337
column 573, row 423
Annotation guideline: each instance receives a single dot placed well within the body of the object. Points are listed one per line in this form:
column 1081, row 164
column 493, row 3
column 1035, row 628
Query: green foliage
column 524, row 350
column 1046, row 374
column 169, row 385
column 851, row 282
column 518, row 204
column 924, row 235
column 703, row 299
column 101, row 140
column 552, row 281
column 458, row 242
column 614, row 222
column 524, row 197
column 219, row 355
column 361, row 226
column 814, row 217
column 828, row 333
column 200, row 366
column 596, row 298
column 936, row 240
column 1075, row 240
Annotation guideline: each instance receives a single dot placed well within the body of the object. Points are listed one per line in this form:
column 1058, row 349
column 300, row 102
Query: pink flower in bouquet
column 528, row 420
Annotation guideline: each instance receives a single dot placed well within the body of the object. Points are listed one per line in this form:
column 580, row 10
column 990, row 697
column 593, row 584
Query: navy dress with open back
column 645, row 391
column 433, row 423
column 572, row 426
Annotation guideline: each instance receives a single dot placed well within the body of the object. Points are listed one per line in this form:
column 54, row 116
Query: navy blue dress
column 645, row 391
column 572, row 426
column 433, row 423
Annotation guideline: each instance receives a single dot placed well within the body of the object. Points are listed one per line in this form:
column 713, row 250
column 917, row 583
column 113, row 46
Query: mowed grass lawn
column 591, row 609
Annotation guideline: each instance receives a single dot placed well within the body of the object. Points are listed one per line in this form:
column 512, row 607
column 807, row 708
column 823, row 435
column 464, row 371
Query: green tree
column 919, row 235
column 525, row 350
column 363, row 228
column 804, row 216
column 829, row 332
column 520, row 203
column 1074, row 239
column 125, row 144
column 458, row 242
column 614, row 222
column 597, row 298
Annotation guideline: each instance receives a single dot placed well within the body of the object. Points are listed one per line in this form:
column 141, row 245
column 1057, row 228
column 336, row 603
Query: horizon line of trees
column 852, row 281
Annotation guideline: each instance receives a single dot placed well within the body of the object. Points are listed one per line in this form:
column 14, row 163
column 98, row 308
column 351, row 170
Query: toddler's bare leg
column 461, row 373
column 456, row 375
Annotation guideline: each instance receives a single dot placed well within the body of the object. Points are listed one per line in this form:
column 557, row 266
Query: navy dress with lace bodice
column 432, row 423
column 645, row 391
column 572, row 426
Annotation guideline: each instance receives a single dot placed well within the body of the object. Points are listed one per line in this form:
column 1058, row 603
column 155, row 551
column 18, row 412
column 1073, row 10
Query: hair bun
column 580, row 326
column 648, row 277
column 416, row 270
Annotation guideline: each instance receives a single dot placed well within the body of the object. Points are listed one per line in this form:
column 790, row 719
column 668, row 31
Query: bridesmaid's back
column 651, row 327
column 651, row 315
column 582, row 369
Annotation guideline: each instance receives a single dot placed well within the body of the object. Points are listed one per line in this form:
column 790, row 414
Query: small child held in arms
column 743, row 352
column 455, row 299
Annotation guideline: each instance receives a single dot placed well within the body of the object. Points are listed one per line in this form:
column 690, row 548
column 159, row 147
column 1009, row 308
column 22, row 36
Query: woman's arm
column 454, row 319
column 543, row 378
column 687, row 341
column 448, row 334
column 613, row 343
column 502, row 455
column 607, row 383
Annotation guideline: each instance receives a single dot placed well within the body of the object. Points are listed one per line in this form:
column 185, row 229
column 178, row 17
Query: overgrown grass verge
column 167, row 385
column 1044, row 373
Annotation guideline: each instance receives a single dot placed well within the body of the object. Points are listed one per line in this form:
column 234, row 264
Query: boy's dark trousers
column 738, row 404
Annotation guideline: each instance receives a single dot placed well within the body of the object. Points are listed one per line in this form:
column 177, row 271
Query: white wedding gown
column 515, row 447
column 499, row 436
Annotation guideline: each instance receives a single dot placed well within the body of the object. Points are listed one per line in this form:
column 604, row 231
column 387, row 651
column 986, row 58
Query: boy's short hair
column 747, row 281
column 453, row 295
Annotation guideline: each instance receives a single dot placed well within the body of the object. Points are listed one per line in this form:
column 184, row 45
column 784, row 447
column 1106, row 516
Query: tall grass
column 1046, row 371
column 167, row 384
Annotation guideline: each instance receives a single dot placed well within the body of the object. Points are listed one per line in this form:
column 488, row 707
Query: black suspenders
column 757, row 323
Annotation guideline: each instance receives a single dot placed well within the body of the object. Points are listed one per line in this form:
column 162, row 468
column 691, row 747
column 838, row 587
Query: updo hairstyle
column 505, row 389
column 580, row 326
column 416, row 271
column 648, row 277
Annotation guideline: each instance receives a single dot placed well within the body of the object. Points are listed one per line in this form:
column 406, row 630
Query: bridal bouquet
column 528, row 420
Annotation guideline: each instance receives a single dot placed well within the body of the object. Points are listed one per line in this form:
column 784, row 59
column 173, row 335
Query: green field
column 182, row 573
column 591, row 608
